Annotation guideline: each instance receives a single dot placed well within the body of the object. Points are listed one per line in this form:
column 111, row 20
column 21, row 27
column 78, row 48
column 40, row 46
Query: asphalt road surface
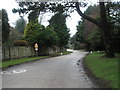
column 57, row 72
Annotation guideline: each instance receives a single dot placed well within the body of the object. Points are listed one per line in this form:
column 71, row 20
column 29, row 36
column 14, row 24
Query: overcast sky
column 9, row 5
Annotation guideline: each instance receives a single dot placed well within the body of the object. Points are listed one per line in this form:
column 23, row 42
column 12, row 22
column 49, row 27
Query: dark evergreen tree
column 5, row 26
column 58, row 22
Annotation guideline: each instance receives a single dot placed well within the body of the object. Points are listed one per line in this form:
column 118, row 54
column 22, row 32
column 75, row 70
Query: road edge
column 2, row 69
column 97, row 81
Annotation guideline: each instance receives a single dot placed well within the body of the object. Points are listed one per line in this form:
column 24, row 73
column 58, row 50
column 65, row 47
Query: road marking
column 14, row 71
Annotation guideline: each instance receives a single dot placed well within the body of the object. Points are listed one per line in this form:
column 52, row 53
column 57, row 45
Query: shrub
column 20, row 43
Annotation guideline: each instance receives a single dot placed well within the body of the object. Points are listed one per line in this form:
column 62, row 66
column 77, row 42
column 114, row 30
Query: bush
column 20, row 43
column 34, row 32
column 95, row 40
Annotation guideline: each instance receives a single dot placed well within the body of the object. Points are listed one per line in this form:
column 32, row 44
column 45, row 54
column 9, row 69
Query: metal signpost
column 36, row 49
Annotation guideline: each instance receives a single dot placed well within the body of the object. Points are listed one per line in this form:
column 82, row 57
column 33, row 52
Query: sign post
column 36, row 49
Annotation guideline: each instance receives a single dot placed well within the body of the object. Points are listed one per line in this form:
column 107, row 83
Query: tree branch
column 86, row 17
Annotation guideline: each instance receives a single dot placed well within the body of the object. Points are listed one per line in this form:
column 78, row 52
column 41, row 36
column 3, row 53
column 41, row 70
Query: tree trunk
column 105, row 27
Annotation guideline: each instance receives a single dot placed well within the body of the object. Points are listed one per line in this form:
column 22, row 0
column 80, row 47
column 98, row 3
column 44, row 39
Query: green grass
column 5, row 64
column 104, row 68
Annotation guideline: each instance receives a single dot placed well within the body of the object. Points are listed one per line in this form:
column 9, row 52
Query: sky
column 71, row 22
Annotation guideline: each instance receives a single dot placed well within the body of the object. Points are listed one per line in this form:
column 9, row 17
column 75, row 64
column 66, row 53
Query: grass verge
column 6, row 64
column 104, row 68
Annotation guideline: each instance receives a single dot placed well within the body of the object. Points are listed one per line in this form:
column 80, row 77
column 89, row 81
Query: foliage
column 113, row 13
column 0, row 27
column 36, row 33
column 50, row 36
column 12, row 37
column 58, row 22
column 20, row 43
column 13, row 34
column 33, row 16
column 93, row 11
column 95, row 39
column 93, row 36
column 36, row 7
column 75, row 44
column 5, row 26
column 79, row 34
column 88, row 33
column 65, row 7
column 20, row 25
column 31, row 32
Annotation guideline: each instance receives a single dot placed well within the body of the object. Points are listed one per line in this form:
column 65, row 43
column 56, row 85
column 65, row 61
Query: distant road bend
column 56, row 72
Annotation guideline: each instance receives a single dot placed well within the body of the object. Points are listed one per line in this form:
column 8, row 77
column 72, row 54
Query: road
column 57, row 72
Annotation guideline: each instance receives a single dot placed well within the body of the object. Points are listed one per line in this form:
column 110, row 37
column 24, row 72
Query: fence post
column 9, row 51
column 3, row 51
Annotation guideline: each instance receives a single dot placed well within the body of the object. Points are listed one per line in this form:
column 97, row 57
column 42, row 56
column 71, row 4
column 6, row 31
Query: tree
column 10, row 41
column 65, row 6
column 50, row 37
column 75, row 44
column 20, row 25
column 95, row 40
column 86, row 31
column 80, row 31
column 58, row 22
column 36, row 33
column 5, row 26
column 103, row 25
column 113, row 13
column 13, row 35
column 0, row 27
column 31, row 32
